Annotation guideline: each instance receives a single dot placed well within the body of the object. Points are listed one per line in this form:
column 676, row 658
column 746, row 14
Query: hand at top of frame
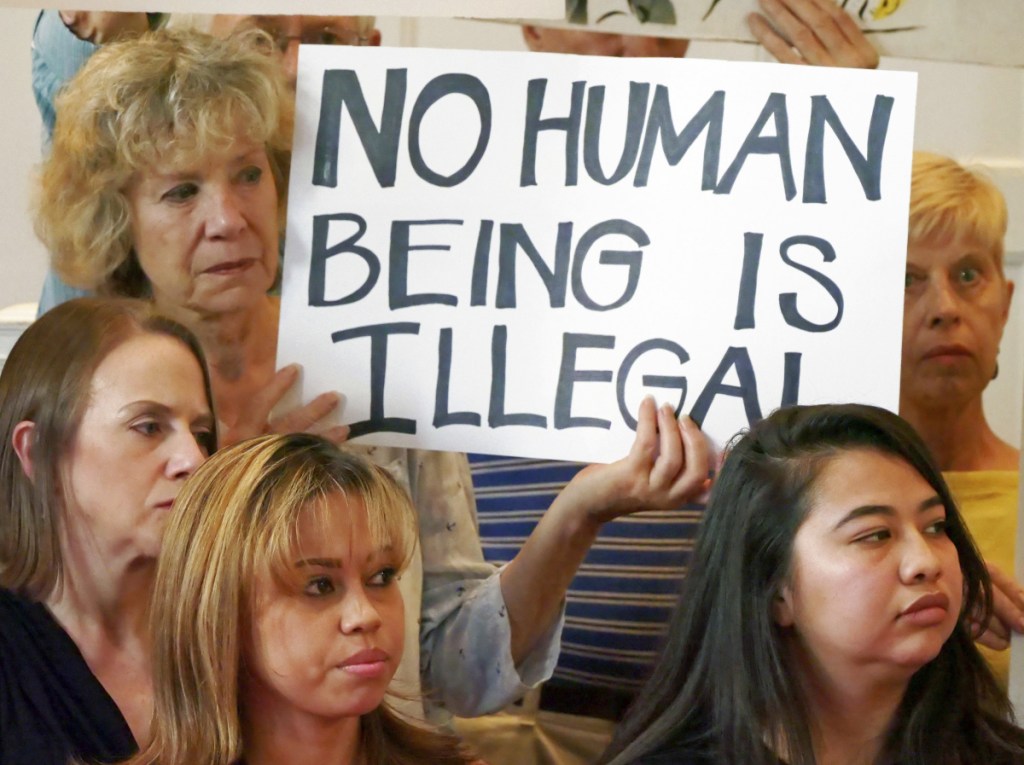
column 816, row 32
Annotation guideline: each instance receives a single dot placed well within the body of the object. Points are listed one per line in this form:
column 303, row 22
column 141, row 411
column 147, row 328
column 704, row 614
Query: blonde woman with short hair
column 955, row 310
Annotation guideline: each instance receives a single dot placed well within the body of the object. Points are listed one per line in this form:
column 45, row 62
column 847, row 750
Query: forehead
column 939, row 251
column 864, row 477
column 186, row 160
column 334, row 526
column 148, row 366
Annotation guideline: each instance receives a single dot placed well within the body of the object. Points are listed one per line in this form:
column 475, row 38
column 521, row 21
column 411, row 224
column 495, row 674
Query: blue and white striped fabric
column 620, row 601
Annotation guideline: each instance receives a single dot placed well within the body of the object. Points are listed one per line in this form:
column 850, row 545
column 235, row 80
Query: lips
column 927, row 609
column 371, row 662
column 367, row 656
column 229, row 267
column 943, row 351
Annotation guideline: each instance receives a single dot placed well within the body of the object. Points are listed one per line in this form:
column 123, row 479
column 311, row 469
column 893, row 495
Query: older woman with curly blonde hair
column 163, row 183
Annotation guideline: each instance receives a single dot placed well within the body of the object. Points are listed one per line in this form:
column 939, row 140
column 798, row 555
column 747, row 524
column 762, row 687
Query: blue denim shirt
column 57, row 54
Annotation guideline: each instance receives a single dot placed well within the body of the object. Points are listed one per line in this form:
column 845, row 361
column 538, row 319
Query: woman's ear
column 782, row 610
column 22, row 439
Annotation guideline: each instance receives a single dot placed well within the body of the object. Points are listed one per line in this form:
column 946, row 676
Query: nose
column 186, row 456
column 358, row 613
column 224, row 219
column 920, row 561
column 942, row 302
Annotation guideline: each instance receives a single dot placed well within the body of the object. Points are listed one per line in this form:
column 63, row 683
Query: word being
column 650, row 127
column 566, row 270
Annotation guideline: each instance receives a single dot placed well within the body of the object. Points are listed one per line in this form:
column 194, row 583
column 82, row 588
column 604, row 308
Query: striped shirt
column 620, row 601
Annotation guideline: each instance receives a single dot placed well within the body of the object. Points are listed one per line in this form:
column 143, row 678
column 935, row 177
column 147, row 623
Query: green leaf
column 653, row 11
column 576, row 11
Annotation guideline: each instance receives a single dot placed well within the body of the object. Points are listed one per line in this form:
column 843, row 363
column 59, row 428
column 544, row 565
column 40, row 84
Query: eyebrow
column 156, row 407
column 319, row 562
column 885, row 510
column 338, row 562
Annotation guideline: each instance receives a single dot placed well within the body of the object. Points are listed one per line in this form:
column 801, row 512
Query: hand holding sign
column 666, row 467
column 256, row 420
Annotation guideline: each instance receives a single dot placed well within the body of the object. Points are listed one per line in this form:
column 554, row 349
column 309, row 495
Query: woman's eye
column 251, row 175
column 938, row 528
column 910, row 280
column 205, row 440
column 879, row 535
column 384, row 577
column 181, row 193
column 319, row 586
column 968, row 275
column 147, row 427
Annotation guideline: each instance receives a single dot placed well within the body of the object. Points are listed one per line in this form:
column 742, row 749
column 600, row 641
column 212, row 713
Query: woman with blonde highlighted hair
column 956, row 307
column 277, row 616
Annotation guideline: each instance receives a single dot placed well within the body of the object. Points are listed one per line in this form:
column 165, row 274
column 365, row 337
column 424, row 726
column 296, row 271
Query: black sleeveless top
column 51, row 705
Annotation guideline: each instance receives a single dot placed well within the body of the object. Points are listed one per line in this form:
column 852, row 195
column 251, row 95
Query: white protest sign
column 504, row 252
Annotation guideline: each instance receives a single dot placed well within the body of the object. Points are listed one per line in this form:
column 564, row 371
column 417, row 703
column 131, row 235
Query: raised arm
column 488, row 635
column 667, row 466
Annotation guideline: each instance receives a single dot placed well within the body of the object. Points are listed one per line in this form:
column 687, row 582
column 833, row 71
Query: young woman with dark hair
column 823, row 617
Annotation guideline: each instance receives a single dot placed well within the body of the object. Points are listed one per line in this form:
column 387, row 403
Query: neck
column 298, row 738
column 232, row 341
column 850, row 717
column 240, row 349
column 959, row 436
column 101, row 599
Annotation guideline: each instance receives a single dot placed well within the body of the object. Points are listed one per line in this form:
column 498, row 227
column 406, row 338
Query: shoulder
column 18, row 613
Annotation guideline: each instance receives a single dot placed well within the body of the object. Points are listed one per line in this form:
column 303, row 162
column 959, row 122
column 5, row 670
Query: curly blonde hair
column 173, row 95
column 949, row 200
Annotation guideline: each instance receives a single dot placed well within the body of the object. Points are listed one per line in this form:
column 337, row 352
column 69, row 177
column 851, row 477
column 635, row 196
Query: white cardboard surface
column 686, row 244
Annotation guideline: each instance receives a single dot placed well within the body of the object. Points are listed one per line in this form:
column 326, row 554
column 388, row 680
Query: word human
column 651, row 127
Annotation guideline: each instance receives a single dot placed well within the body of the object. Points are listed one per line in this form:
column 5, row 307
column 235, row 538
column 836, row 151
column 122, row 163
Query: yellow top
column 988, row 502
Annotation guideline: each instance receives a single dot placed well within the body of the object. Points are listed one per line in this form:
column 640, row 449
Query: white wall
column 22, row 258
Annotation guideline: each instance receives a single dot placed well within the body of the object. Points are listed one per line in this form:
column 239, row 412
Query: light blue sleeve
column 465, row 637
column 56, row 292
column 57, row 54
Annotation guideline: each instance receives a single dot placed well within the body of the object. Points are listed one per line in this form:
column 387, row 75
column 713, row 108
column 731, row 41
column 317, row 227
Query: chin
column 917, row 656
column 231, row 300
